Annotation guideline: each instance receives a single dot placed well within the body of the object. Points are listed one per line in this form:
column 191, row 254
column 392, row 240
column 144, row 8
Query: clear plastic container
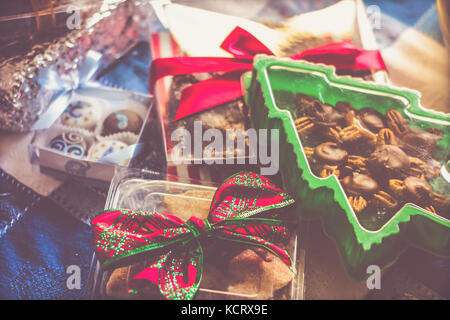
column 231, row 271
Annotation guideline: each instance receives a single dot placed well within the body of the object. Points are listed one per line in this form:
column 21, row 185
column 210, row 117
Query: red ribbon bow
column 244, row 46
column 177, row 246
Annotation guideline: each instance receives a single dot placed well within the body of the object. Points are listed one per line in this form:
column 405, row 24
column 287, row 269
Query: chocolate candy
column 420, row 143
column 324, row 114
column 418, row 190
column 369, row 152
column 389, row 159
column 122, row 121
column 71, row 143
column 347, row 110
column 371, row 119
column 344, row 107
column 304, row 101
column 81, row 114
column 330, row 153
column 358, row 183
column 104, row 148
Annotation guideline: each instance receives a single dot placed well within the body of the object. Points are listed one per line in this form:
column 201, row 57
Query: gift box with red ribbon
column 228, row 115
column 206, row 93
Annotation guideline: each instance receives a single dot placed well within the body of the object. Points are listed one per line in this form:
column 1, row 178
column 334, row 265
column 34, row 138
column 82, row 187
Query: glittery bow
column 121, row 236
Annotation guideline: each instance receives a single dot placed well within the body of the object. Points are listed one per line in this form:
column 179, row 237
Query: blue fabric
column 37, row 251
column 406, row 11
column 399, row 15
column 9, row 213
column 130, row 72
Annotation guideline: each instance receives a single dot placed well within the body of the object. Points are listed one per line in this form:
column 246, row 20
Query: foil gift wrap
column 30, row 48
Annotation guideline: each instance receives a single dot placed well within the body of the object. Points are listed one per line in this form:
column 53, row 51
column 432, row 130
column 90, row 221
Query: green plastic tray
column 324, row 198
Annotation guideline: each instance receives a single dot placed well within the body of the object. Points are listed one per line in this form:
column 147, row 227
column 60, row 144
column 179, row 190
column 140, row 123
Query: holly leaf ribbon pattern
column 121, row 235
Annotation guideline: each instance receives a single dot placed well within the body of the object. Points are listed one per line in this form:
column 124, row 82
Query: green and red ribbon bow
column 178, row 247
column 244, row 46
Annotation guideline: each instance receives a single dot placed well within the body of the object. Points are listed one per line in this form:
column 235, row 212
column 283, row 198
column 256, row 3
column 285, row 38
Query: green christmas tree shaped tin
column 366, row 158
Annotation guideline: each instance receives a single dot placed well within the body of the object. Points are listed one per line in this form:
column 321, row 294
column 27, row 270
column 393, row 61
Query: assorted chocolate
column 92, row 129
column 230, row 115
column 381, row 161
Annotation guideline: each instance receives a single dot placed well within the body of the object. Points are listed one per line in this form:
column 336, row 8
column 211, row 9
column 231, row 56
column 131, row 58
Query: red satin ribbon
column 344, row 56
column 244, row 46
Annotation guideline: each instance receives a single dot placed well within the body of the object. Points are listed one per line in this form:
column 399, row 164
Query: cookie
column 81, row 114
column 122, row 121
column 257, row 273
column 190, row 203
column 71, row 143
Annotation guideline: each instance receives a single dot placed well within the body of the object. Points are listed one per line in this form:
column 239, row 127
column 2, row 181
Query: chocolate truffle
column 330, row 153
column 371, row 119
column 359, row 184
column 324, row 114
column 390, row 160
column 81, row 114
column 418, row 189
column 122, row 121
column 71, row 143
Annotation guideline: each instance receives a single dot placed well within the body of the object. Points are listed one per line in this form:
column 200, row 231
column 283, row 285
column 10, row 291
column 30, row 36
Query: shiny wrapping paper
column 110, row 27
